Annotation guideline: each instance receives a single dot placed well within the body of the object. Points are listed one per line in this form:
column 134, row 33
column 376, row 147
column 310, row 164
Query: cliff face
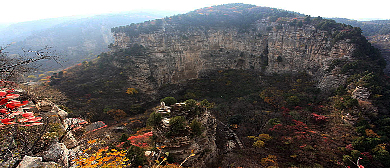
column 173, row 56
column 383, row 43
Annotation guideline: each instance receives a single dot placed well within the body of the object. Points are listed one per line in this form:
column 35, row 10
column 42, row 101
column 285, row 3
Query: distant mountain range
column 75, row 39
column 369, row 28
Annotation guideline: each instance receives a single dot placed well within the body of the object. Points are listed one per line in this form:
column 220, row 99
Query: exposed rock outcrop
column 191, row 150
column 35, row 162
column 173, row 56
column 58, row 153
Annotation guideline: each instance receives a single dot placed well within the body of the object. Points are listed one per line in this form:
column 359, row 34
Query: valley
column 232, row 85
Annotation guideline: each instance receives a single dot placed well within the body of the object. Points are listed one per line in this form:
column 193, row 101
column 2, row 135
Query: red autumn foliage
column 319, row 118
column 349, row 147
column 9, row 112
column 140, row 140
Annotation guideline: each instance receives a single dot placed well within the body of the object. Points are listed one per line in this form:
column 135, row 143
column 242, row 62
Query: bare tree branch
column 12, row 67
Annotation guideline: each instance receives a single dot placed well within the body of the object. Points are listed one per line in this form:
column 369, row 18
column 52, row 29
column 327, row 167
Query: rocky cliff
column 148, row 56
column 268, row 47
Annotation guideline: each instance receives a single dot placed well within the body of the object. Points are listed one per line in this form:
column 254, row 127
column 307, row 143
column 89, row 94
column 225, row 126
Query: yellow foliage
column 270, row 160
column 264, row 137
column 371, row 133
column 259, row 144
column 131, row 91
column 259, row 140
column 102, row 158
column 32, row 76
column 92, row 141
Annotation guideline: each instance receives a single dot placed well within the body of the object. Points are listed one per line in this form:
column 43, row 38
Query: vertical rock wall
column 175, row 56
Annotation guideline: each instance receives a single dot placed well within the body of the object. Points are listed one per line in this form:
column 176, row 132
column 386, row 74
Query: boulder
column 69, row 140
column 62, row 113
column 57, row 153
column 29, row 161
column 35, row 162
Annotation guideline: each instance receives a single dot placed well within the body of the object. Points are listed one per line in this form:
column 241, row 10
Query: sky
column 13, row 11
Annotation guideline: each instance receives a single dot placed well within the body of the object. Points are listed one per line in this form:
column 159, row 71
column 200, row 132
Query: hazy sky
column 26, row 10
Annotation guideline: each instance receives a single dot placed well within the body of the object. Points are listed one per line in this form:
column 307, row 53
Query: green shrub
column 196, row 127
column 154, row 119
column 169, row 101
column 136, row 155
column 177, row 124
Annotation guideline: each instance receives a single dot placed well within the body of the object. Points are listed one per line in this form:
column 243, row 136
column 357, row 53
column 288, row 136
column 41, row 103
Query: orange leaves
column 371, row 133
column 103, row 158
column 131, row 91
column 92, row 141
column 269, row 161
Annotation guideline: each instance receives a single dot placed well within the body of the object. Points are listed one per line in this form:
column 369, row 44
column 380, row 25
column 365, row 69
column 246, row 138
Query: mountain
column 74, row 39
column 369, row 28
column 19, row 31
column 377, row 32
column 289, row 90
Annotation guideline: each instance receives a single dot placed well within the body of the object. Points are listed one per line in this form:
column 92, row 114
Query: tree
column 300, row 23
column 190, row 104
column 13, row 68
column 17, row 137
column 177, row 124
column 154, row 119
column 169, row 101
column 293, row 23
column 196, row 127
column 279, row 59
column 307, row 19
column 205, row 104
